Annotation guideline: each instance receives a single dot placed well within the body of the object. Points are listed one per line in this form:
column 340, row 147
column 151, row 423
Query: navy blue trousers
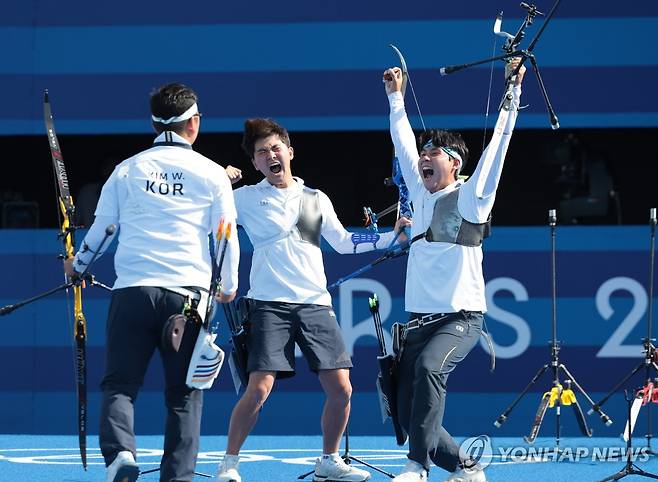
column 430, row 354
column 134, row 328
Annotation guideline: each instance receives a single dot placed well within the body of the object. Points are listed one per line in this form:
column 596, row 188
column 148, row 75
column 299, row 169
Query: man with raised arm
column 288, row 298
column 444, row 291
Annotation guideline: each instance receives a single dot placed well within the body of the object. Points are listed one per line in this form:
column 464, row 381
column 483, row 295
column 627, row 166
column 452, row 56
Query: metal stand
column 526, row 54
column 630, row 468
column 150, row 471
column 89, row 278
column 558, row 395
column 650, row 351
column 84, row 277
column 76, row 282
column 347, row 458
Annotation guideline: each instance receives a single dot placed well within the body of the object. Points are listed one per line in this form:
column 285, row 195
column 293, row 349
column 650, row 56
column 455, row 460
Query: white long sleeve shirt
column 284, row 267
column 165, row 201
column 445, row 277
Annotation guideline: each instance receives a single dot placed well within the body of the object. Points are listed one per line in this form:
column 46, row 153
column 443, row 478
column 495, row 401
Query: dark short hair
column 259, row 128
column 440, row 137
column 171, row 100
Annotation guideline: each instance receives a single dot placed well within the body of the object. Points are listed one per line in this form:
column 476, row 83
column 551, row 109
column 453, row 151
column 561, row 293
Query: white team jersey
column 284, row 267
column 165, row 201
column 445, row 277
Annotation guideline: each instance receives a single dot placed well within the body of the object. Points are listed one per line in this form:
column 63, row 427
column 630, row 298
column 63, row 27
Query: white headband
column 452, row 153
column 448, row 150
column 193, row 110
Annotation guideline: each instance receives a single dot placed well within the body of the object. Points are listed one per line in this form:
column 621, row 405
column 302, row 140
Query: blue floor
column 30, row 458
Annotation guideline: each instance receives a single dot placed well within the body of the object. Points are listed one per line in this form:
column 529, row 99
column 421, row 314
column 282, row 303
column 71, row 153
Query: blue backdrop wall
column 602, row 279
column 317, row 66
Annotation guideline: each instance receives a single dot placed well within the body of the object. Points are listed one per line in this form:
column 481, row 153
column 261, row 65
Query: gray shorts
column 274, row 327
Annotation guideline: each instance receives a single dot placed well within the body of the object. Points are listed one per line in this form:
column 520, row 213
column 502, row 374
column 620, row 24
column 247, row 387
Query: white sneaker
column 412, row 472
column 334, row 469
column 228, row 469
column 123, row 468
column 474, row 474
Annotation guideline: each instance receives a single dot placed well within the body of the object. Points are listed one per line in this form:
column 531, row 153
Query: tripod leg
column 555, row 124
column 568, row 397
column 635, row 470
column 539, row 418
column 348, row 458
column 596, row 407
column 617, row 476
column 381, row 471
column 580, row 417
column 157, row 469
column 615, row 388
column 303, row 476
column 503, row 416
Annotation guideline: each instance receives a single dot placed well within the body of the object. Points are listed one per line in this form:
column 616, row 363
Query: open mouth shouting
column 427, row 172
column 275, row 168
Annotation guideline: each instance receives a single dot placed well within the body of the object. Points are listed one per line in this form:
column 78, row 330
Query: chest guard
column 309, row 223
column 448, row 226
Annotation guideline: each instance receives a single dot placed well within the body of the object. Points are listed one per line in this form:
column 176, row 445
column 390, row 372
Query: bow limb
column 67, row 235
column 403, row 66
column 404, row 205
column 371, row 218
column 406, row 78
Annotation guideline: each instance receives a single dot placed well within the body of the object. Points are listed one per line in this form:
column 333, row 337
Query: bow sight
column 511, row 50
column 512, row 41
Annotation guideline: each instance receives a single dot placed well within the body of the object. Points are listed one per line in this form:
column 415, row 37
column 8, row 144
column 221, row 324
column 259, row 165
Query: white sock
column 231, row 460
column 415, row 466
column 331, row 456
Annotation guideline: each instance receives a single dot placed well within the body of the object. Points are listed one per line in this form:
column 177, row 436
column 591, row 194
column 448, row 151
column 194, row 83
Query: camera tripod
column 630, row 468
column 558, row 395
column 649, row 363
